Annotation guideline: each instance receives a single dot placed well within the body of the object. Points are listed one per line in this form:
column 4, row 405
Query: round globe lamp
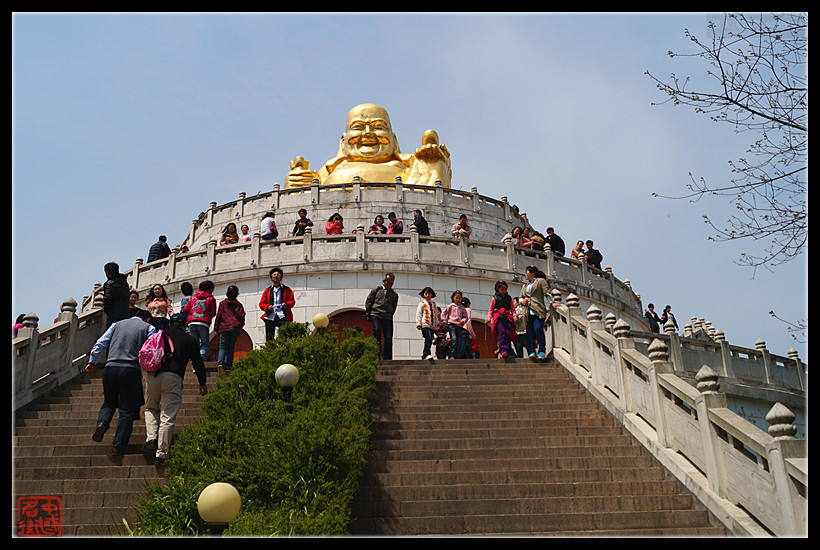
column 218, row 505
column 320, row 321
column 286, row 376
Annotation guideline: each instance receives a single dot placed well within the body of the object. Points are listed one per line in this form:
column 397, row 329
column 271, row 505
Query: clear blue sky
column 125, row 126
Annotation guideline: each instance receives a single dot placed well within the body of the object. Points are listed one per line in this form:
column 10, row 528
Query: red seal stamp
column 39, row 516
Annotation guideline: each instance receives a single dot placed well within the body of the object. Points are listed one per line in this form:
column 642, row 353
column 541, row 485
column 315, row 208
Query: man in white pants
column 163, row 389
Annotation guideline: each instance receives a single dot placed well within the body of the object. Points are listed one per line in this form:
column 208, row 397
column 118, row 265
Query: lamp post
column 286, row 376
column 218, row 505
column 320, row 321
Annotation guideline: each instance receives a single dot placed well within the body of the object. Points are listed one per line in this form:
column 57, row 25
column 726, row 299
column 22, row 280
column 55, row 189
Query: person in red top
column 334, row 225
column 276, row 303
column 200, row 309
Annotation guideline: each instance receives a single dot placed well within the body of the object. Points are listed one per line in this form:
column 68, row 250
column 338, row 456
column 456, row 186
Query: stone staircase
column 484, row 447
column 54, row 455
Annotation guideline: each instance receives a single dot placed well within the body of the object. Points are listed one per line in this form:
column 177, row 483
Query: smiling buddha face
column 368, row 135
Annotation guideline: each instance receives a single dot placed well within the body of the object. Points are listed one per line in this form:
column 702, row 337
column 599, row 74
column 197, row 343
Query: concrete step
column 509, row 448
column 54, row 455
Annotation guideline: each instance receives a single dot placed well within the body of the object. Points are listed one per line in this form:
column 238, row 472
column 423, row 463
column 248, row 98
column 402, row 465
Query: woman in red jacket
column 276, row 303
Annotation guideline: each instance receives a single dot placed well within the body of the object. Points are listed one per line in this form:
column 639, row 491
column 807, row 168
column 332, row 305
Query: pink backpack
column 152, row 354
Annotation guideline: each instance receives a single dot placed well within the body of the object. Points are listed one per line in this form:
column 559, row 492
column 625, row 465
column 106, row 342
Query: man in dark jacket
column 115, row 295
column 122, row 376
column 556, row 243
column 421, row 224
column 159, row 250
column 593, row 256
column 163, row 388
column 379, row 308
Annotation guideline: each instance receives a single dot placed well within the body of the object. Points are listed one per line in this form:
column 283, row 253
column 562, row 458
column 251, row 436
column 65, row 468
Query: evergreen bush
column 296, row 472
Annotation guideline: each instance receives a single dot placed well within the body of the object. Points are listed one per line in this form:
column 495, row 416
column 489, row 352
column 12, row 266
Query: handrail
column 756, row 483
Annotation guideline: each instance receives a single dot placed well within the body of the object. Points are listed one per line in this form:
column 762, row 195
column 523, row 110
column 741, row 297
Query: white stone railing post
column 659, row 355
column 784, row 446
column 307, row 244
column 594, row 323
column 211, row 213
column 361, row 246
column 760, row 345
column 210, row 265
column 798, row 365
column 315, row 197
column 550, row 270
column 708, row 384
column 439, row 193
column 573, row 312
column 28, row 331
column 274, row 196
column 464, row 249
column 620, row 330
column 135, row 280
column 171, row 266
column 415, row 248
column 256, row 249
column 399, row 190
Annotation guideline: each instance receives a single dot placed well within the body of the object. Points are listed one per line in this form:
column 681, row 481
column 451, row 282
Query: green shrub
column 297, row 472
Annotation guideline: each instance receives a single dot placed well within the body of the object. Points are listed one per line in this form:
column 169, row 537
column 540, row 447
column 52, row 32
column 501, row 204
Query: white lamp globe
column 218, row 503
column 287, row 375
column 320, row 320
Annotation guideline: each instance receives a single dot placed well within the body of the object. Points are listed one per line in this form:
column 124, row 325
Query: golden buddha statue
column 369, row 149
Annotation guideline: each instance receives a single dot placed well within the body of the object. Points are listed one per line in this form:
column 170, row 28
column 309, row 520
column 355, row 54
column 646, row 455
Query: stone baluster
column 725, row 354
column 274, row 203
column 314, row 192
column 29, row 332
column 307, row 244
column 361, row 245
column 210, row 265
column 790, row 494
column 135, row 273
column 610, row 321
column 399, row 190
column 550, row 269
column 620, row 330
column 659, row 355
column 507, row 210
column 708, row 383
column 256, row 249
column 613, row 286
column 240, row 205
column 792, row 353
column 675, row 351
column 475, row 199
column 760, row 345
column 594, row 323
column 439, row 192
column 171, row 266
column 211, row 213
column 357, row 188
column 573, row 310
column 415, row 248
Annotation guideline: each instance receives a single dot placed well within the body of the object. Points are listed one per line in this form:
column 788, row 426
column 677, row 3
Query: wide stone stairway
column 54, row 455
column 458, row 448
column 484, row 447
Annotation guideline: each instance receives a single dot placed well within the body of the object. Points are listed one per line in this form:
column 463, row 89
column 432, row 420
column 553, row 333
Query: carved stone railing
column 47, row 358
column 755, row 483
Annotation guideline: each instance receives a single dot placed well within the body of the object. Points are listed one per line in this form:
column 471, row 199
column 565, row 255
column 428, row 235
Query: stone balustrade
column 755, row 482
column 47, row 358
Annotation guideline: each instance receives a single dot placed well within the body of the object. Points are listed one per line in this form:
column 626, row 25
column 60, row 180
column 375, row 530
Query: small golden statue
column 369, row 149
